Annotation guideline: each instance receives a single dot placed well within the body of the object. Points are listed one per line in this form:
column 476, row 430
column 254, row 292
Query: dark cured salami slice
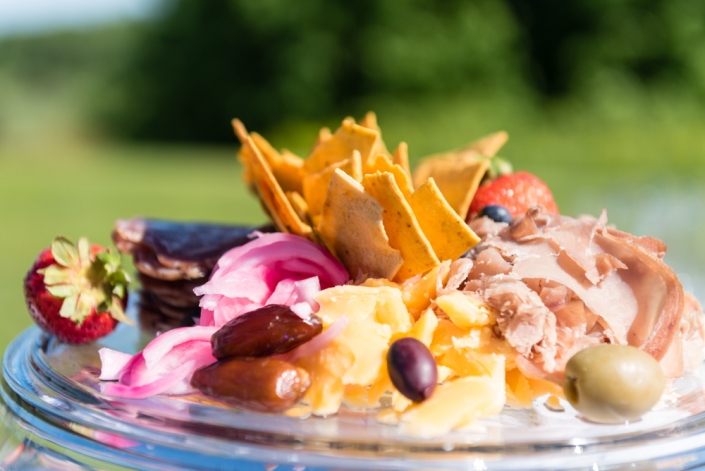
column 170, row 250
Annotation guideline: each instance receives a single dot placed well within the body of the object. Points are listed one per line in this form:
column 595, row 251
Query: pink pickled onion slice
column 158, row 386
column 166, row 342
column 272, row 269
column 285, row 290
column 207, row 318
column 319, row 342
column 303, row 310
column 159, row 368
column 250, row 282
column 281, row 247
column 112, row 363
column 306, row 290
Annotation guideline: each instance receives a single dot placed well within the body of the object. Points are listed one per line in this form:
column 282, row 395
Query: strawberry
column 516, row 191
column 77, row 292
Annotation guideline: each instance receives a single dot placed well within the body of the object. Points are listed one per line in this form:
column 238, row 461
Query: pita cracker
column 401, row 225
column 272, row 196
column 448, row 234
column 348, row 137
column 352, row 227
column 315, row 185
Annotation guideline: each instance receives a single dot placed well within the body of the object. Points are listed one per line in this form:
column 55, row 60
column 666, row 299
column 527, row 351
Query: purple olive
column 270, row 330
column 412, row 369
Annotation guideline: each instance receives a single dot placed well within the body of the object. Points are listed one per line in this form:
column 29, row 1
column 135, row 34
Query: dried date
column 270, row 330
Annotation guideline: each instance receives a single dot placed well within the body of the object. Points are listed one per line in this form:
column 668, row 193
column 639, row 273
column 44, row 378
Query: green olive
column 613, row 383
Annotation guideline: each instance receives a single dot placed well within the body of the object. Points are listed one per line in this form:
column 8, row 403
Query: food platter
column 53, row 404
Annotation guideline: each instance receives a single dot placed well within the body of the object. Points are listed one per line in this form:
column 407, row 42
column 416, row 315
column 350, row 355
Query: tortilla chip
column 272, row 196
column 401, row 158
column 247, row 173
column 286, row 167
column 240, row 130
column 448, row 234
column 347, row 138
column 315, row 185
column 458, row 179
column 382, row 163
column 352, row 227
column 289, row 171
column 323, row 135
column 369, row 121
column 486, row 146
column 269, row 153
column 489, row 145
column 401, row 226
column 300, row 206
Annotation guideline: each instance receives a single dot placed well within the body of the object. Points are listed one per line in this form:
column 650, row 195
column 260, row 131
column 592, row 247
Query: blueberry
column 412, row 369
column 496, row 213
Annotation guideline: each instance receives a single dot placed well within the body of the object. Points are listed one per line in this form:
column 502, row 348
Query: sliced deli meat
column 561, row 284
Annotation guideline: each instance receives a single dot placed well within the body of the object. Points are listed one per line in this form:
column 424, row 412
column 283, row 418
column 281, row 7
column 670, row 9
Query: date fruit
column 256, row 384
column 270, row 330
column 412, row 369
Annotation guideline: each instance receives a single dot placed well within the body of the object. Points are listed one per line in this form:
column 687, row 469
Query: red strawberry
column 75, row 292
column 517, row 192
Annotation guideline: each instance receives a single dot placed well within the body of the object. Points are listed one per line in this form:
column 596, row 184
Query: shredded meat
column 563, row 284
column 523, row 319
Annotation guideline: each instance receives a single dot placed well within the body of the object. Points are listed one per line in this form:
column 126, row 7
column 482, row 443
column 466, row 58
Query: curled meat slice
column 598, row 282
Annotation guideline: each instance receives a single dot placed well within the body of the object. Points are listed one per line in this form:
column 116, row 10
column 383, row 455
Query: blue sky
column 29, row 16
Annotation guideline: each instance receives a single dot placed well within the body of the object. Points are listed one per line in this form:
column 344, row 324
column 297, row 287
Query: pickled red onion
column 272, row 269
column 165, row 366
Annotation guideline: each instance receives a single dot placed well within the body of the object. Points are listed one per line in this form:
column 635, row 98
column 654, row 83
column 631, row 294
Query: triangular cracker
column 352, row 227
column 401, row 226
column 448, row 234
column 382, row 163
column 272, row 196
column 315, row 185
column 347, row 138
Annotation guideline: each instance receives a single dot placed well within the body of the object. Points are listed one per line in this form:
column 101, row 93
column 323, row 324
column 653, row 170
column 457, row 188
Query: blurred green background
column 604, row 99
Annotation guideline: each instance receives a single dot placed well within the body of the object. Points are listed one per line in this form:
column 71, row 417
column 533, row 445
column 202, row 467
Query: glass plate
column 53, row 406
